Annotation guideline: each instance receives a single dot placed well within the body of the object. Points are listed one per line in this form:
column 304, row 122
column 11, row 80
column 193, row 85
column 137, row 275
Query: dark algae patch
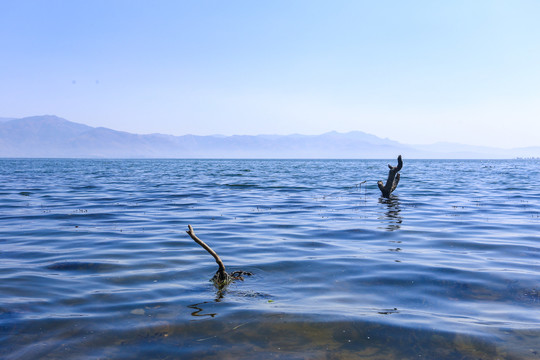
column 82, row 266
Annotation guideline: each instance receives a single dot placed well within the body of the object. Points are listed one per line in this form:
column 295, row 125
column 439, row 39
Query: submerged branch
column 221, row 277
column 393, row 179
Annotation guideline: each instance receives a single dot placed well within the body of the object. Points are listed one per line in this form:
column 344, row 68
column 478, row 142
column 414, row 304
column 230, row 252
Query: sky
column 414, row 71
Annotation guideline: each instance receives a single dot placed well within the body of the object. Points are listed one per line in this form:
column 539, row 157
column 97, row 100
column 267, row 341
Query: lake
column 95, row 261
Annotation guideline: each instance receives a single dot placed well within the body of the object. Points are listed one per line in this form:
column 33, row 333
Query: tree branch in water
column 393, row 179
column 221, row 278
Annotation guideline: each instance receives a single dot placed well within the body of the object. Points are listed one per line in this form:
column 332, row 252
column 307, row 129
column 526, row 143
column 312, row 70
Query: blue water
column 95, row 261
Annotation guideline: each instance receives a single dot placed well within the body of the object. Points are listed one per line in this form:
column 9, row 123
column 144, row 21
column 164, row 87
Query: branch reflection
column 391, row 215
column 199, row 309
column 220, row 294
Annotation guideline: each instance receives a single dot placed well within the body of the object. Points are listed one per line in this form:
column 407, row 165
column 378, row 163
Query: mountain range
column 49, row 136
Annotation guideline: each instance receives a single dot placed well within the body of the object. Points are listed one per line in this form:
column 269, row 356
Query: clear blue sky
column 413, row 71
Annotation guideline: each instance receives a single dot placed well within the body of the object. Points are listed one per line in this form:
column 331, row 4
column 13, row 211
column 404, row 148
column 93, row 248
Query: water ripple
column 94, row 258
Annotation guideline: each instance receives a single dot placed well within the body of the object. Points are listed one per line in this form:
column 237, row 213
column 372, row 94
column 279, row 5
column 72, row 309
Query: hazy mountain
column 51, row 136
column 460, row 151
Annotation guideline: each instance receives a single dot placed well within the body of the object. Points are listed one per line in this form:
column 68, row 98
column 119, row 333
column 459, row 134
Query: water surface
column 95, row 261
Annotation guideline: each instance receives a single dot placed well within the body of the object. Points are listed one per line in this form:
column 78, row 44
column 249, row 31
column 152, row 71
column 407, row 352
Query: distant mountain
column 2, row 119
column 51, row 136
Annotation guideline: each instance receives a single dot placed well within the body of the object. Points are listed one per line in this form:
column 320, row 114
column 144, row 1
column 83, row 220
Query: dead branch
column 393, row 179
column 221, row 278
